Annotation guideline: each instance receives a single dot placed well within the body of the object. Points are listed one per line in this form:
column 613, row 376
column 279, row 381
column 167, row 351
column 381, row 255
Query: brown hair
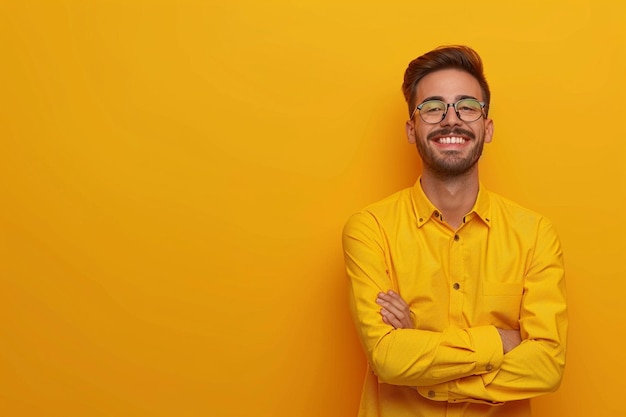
column 459, row 57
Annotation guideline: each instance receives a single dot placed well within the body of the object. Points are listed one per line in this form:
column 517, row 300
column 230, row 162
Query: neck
column 453, row 196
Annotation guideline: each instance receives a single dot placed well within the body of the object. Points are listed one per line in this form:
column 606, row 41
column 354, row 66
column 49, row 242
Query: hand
column 510, row 339
column 395, row 312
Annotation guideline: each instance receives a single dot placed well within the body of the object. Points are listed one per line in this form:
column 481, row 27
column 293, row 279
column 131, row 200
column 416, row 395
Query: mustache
column 451, row 132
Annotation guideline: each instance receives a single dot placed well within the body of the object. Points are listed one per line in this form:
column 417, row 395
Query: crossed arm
column 458, row 364
column 395, row 312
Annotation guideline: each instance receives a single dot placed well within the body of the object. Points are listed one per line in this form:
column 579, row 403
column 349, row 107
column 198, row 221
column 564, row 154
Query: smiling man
column 458, row 294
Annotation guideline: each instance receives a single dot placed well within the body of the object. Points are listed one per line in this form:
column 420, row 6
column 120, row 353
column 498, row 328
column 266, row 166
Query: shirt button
column 436, row 214
column 456, row 238
column 431, row 394
column 456, row 286
column 489, row 367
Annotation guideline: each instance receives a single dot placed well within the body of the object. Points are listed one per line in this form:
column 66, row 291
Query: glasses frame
column 448, row 105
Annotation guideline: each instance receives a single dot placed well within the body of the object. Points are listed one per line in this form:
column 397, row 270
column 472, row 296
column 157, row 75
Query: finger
column 400, row 311
column 395, row 305
column 390, row 319
column 386, row 320
column 393, row 320
column 396, row 298
column 393, row 299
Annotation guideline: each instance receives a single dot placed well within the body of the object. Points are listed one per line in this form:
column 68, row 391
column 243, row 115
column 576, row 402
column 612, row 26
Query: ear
column 410, row 131
column 488, row 130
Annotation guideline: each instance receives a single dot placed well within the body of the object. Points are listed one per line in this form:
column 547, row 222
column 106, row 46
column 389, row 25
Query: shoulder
column 387, row 210
column 511, row 213
column 390, row 206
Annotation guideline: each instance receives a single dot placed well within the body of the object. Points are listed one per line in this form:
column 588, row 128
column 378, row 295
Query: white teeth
column 451, row 139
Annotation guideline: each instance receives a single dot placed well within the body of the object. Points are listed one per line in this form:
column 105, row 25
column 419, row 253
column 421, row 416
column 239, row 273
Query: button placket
column 456, row 280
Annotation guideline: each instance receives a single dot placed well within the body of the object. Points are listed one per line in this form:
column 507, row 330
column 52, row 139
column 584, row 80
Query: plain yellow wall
column 174, row 177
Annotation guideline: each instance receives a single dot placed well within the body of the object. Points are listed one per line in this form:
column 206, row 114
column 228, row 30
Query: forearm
column 536, row 366
column 412, row 357
column 531, row 369
column 407, row 356
column 416, row 357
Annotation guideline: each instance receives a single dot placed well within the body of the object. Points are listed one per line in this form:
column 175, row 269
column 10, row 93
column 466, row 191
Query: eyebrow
column 457, row 98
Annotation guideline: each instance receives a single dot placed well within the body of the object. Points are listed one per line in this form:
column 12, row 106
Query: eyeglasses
column 434, row 111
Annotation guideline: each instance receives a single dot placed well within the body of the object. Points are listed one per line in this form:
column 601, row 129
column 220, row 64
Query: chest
column 470, row 277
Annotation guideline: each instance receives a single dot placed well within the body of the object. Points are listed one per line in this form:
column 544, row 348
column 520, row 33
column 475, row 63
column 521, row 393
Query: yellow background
column 174, row 177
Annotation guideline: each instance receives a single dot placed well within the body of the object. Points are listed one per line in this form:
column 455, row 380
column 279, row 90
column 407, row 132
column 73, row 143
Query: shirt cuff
column 488, row 349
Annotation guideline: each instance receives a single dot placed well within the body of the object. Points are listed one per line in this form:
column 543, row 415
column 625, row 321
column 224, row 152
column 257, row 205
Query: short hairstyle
column 458, row 57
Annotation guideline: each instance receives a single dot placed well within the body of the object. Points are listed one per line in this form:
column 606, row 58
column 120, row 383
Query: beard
column 452, row 163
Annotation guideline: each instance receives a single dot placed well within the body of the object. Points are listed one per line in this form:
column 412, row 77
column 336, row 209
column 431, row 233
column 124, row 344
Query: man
column 457, row 294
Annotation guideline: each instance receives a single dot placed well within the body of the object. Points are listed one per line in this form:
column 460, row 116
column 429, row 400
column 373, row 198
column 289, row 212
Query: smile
column 451, row 140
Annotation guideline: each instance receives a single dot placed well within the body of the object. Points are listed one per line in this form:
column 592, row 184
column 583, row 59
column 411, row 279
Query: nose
column 451, row 118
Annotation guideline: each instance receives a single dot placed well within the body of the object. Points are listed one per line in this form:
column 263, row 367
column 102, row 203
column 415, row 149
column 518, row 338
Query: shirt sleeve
column 536, row 366
column 409, row 357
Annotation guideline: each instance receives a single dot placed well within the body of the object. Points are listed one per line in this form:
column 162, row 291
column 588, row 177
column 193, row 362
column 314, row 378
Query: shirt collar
column 425, row 210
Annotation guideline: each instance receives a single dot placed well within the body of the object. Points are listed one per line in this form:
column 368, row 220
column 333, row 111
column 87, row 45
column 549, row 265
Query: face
column 452, row 147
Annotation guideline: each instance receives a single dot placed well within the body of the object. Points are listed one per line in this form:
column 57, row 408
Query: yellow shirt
column 502, row 268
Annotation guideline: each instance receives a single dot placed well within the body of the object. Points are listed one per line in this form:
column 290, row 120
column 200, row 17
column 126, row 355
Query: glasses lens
column 469, row 109
column 432, row 111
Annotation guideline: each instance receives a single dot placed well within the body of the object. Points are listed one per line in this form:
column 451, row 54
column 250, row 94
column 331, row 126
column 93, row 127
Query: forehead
column 449, row 84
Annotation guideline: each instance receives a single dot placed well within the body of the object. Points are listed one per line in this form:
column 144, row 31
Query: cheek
column 422, row 134
column 417, row 132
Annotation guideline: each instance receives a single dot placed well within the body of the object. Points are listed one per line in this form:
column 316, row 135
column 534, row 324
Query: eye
column 430, row 107
column 468, row 106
